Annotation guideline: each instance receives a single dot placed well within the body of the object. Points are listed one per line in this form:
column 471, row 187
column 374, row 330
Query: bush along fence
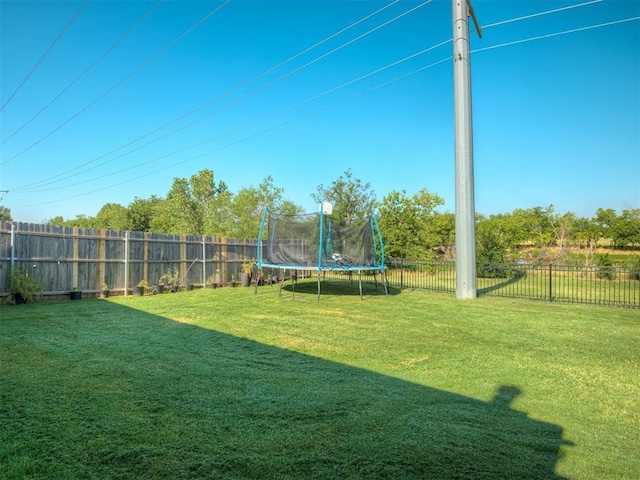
column 66, row 259
column 607, row 285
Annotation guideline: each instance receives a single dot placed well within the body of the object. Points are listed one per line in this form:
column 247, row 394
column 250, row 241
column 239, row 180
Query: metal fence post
column 126, row 263
column 551, row 282
column 204, row 261
column 13, row 246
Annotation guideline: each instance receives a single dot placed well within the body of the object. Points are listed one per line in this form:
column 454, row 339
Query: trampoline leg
column 359, row 282
column 284, row 273
column 255, row 288
column 319, row 285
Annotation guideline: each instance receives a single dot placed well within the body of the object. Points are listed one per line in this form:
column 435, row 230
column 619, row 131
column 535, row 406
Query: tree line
column 412, row 226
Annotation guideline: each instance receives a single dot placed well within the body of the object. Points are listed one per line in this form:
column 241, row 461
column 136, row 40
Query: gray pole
column 465, row 202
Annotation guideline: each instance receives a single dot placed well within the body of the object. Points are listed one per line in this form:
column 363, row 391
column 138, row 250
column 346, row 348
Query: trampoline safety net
column 318, row 241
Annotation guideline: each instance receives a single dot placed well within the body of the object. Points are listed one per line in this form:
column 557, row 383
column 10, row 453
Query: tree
column 625, row 230
column 112, row 216
column 5, row 214
column 141, row 212
column 247, row 207
column 188, row 203
column 563, row 226
column 585, row 235
column 58, row 221
column 351, row 198
column 444, row 227
column 490, row 252
column 512, row 229
column 406, row 224
column 538, row 223
column 80, row 221
column 604, row 220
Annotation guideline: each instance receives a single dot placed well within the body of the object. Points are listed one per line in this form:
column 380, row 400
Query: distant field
column 222, row 384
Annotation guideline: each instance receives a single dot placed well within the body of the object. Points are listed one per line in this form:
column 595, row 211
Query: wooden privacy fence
column 68, row 258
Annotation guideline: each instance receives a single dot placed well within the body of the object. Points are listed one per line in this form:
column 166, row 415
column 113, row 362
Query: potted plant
column 170, row 280
column 232, row 283
column 247, row 271
column 75, row 294
column 105, row 291
column 23, row 287
column 211, row 281
column 141, row 288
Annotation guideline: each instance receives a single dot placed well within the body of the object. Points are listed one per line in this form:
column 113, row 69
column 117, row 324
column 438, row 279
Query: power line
column 526, row 17
column 315, row 97
column 282, row 77
column 85, row 71
column 557, row 34
column 249, row 137
column 321, row 109
column 137, row 70
column 273, row 114
column 228, row 92
column 46, row 53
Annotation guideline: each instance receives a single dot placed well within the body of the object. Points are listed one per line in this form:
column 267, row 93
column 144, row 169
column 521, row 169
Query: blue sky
column 556, row 115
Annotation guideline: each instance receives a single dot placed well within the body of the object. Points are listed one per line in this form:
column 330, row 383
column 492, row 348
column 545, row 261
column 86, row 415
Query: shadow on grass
column 514, row 278
column 119, row 393
column 336, row 285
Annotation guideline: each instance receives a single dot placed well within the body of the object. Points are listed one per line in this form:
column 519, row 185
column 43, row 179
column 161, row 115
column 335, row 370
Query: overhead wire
column 344, row 85
column 85, row 71
column 268, row 116
column 253, row 92
column 253, row 135
column 557, row 34
column 119, row 83
column 77, row 172
column 200, row 107
column 324, row 108
column 533, row 15
column 47, row 52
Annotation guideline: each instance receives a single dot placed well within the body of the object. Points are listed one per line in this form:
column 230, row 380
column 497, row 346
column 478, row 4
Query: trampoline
column 317, row 242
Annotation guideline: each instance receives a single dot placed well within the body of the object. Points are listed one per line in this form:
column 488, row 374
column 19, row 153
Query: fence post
column 183, row 257
column 550, row 282
column 145, row 256
column 74, row 268
column 204, row 262
column 401, row 272
column 13, row 246
column 224, row 275
column 126, row 263
column 101, row 259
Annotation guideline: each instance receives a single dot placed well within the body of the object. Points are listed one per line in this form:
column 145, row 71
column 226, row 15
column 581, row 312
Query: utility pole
column 466, row 284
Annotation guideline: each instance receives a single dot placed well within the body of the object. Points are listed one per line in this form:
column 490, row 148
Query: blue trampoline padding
column 324, row 268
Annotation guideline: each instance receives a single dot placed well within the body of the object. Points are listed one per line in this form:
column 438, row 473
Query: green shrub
column 605, row 266
column 22, row 284
column 490, row 256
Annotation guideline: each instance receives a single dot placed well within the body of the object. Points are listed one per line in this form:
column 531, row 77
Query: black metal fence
column 610, row 285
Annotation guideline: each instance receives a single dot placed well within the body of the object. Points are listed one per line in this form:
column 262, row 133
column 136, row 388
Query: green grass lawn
column 225, row 384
